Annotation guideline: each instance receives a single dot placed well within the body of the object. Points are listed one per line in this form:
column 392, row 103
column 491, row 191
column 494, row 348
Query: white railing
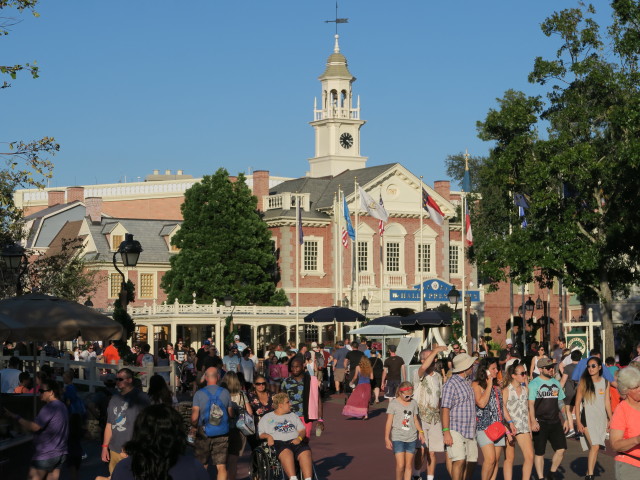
column 177, row 308
column 395, row 279
column 367, row 279
column 92, row 371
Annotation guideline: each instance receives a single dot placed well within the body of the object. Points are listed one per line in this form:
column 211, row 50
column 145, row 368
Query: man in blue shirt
column 582, row 366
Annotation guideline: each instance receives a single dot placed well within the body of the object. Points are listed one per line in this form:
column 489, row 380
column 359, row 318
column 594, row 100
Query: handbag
column 496, row 430
column 245, row 422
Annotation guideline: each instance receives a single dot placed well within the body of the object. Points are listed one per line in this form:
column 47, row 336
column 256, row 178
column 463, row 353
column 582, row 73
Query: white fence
column 91, row 372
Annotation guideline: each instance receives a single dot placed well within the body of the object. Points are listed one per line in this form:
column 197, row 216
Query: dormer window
column 114, row 233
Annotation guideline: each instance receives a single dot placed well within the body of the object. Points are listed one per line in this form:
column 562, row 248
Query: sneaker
column 551, row 476
column 571, row 434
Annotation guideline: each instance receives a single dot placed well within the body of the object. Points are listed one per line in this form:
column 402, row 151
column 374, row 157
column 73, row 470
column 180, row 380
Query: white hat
column 237, row 337
column 508, row 341
column 462, row 362
column 314, row 344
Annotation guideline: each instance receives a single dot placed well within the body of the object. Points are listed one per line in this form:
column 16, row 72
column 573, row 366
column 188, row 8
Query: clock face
column 346, row 140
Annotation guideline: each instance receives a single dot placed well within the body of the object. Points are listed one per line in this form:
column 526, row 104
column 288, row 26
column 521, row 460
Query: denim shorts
column 49, row 464
column 404, row 447
column 483, row 440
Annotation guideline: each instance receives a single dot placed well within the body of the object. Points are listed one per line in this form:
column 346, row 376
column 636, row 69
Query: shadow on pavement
column 336, row 462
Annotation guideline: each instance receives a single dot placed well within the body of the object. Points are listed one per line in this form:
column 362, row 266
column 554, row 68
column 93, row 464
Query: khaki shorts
column 114, row 458
column 211, row 448
column 433, row 436
column 462, row 448
column 338, row 375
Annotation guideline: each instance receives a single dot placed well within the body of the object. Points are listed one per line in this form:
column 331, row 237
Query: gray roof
column 48, row 222
column 147, row 232
column 336, row 67
column 322, row 190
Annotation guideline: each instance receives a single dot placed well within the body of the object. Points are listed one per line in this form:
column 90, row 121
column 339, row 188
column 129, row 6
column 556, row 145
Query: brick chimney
column 443, row 187
column 260, row 186
column 55, row 197
column 75, row 194
column 93, row 206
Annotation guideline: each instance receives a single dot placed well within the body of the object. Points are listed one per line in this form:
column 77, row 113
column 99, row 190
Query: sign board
column 434, row 291
column 578, row 339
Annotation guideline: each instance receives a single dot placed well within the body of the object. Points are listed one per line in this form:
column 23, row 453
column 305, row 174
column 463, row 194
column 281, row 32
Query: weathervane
column 337, row 20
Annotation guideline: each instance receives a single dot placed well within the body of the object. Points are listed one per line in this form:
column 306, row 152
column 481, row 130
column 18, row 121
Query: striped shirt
column 457, row 396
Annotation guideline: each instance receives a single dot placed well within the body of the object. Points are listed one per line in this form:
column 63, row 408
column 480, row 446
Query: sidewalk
column 352, row 448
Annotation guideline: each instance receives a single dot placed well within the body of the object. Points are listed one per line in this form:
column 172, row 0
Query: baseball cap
column 545, row 363
column 237, row 337
column 508, row 341
column 314, row 344
column 206, row 342
column 392, row 348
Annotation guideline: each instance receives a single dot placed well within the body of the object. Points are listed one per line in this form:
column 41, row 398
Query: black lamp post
column 364, row 305
column 454, row 298
column 15, row 261
column 345, row 302
column 228, row 302
column 129, row 251
column 539, row 303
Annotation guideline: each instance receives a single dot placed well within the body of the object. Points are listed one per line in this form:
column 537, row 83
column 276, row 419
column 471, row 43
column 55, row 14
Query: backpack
column 320, row 363
column 215, row 418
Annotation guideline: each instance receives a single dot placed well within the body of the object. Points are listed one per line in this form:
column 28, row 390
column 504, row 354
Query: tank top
column 362, row 379
column 489, row 414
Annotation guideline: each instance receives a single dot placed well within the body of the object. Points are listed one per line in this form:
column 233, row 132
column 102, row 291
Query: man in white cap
column 240, row 345
column 458, row 416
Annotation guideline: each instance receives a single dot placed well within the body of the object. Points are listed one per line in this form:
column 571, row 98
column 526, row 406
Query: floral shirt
column 259, row 409
column 294, row 389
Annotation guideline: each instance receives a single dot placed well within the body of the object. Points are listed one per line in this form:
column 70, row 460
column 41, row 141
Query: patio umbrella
column 390, row 320
column 378, row 331
column 334, row 314
column 37, row 317
column 428, row 318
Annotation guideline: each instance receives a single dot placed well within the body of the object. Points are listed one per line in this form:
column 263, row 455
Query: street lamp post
column 228, row 302
column 15, row 261
column 364, row 306
column 129, row 251
column 454, row 298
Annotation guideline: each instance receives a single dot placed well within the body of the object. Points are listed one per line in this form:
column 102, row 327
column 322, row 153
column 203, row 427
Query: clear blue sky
column 131, row 86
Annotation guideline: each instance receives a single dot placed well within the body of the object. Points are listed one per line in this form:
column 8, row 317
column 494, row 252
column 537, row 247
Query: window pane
column 424, row 258
column 363, row 257
column 453, row 258
column 393, row 257
column 310, row 263
column 116, row 280
column 146, row 285
column 116, row 240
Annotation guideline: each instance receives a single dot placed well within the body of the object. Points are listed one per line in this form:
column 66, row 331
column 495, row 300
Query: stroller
column 187, row 375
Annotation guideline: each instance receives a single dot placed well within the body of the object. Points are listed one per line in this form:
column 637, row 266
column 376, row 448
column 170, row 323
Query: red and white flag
column 380, row 222
column 345, row 238
column 468, row 227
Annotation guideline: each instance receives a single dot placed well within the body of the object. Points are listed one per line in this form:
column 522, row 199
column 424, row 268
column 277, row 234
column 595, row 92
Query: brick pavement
column 354, row 449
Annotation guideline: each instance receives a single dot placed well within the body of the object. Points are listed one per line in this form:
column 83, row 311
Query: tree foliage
column 456, row 165
column 578, row 175
column 225, row 246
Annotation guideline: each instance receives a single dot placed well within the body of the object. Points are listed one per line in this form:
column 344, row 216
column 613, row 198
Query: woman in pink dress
column 358, row 403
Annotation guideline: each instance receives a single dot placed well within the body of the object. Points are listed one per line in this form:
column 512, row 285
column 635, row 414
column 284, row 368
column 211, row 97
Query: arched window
column 334, row 98
column 343, row 98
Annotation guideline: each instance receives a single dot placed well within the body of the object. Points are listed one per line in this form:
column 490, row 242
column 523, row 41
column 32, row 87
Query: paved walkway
column 354, row 449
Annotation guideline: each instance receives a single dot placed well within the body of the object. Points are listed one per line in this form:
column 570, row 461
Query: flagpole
column 464, row 287
column 336, row 246
column 297, row 269
column 340, row 259
column 421, row 249
column 381, row 235
column 356, row 208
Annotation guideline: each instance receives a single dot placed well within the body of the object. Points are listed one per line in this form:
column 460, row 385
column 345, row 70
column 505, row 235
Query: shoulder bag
column 245, row 422
column 496, row 430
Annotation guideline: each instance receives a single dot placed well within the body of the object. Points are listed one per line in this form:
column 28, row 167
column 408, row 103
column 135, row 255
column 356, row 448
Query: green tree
column 583, row 218
column 225, row 246
column 456, row 165
column 26, row 164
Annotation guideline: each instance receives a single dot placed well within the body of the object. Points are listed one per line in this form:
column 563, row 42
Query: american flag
column 380, row 222
column 345, row 238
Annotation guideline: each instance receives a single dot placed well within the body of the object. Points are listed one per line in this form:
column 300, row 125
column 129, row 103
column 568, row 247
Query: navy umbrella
column 334, row 314
column 390, row 320
column 431, row 318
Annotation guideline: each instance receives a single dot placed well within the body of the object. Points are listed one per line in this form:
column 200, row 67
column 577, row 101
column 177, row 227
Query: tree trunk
column 606, row 308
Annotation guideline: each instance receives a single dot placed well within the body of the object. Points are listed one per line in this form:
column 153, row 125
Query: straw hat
column 462, row 362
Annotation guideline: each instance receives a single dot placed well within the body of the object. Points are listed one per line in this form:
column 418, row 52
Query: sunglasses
column 43, row 390
column 121, row 379
column 593, row 365
column 260, row 383
column 407, row 396
column 521, row 374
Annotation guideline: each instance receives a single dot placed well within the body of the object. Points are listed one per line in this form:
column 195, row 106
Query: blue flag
column 300, row 232
column 347, row 219
column 466, row 179
column 521, row 203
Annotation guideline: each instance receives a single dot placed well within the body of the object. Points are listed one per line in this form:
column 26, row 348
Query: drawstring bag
column 496, row 430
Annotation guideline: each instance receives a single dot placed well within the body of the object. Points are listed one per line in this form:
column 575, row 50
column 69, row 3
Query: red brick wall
column 55, row 197
column 150, row 208
column 260, row 185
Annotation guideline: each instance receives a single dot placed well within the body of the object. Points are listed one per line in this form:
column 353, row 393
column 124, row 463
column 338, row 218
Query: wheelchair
column 266, row 466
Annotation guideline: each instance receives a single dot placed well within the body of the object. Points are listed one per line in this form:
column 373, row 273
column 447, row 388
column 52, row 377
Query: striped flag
column 468, row 226
column 345, row 238
column 380, row 222
column 430, row 205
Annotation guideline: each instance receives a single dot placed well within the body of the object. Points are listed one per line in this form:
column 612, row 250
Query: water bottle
column 318, row 430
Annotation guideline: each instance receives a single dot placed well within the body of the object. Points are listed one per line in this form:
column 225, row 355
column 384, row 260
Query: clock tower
column 336, row 122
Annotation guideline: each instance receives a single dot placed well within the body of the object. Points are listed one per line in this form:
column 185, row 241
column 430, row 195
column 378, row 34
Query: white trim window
column 394, row 236
column 312, row 256
column 424, row 256
column 147, row 285
column 364, row 256
column 393, row 257
column 454, row 259
column 115, row 283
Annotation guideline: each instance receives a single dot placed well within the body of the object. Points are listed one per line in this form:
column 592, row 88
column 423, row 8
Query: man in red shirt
column 110, row 354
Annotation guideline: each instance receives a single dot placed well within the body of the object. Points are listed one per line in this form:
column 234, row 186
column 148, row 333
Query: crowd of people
column 454, row 403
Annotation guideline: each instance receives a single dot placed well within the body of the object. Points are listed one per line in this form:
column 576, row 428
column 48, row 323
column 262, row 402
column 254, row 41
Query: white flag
column 373, row 208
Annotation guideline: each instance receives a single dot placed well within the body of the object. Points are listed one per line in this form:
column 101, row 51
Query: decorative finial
column 336, row 47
